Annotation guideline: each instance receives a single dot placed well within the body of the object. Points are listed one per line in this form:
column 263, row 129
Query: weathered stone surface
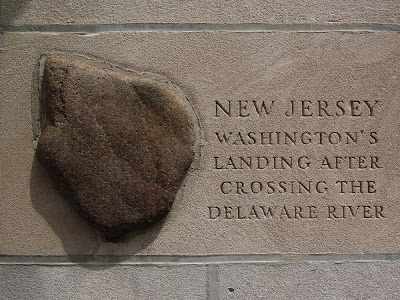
column 117, row 143
column 222, row 66
column 201, row 11
column 120, row 282
column 311, row 280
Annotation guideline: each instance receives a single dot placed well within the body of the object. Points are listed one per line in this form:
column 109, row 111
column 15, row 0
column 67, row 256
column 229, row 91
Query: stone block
column 198, row 11
column 117, row 143
column 108, row 282
column 313, row 280
column 337, row 155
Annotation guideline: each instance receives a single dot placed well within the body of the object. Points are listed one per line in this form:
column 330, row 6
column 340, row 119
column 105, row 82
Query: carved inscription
column 345, row 160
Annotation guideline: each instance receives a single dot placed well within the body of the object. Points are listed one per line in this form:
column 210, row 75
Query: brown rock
column 118, row 143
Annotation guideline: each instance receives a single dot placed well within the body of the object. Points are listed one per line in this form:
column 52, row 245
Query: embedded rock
column 118, row 143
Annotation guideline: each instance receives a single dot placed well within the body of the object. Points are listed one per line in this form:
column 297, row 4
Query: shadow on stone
column 116, row 144
column 78, row 238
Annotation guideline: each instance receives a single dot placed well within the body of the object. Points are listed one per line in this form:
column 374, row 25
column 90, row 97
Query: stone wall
column 318, row 66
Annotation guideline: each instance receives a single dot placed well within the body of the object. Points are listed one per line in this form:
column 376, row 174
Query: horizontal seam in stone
column 198, row 27
column 197, row 260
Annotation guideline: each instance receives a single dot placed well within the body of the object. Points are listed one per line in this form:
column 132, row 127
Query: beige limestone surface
column 225, row 66
column 198, row 11
column 312, row 280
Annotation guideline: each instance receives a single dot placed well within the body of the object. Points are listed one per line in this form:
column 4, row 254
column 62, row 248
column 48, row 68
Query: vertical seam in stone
column 212, row 282
column 1, row 130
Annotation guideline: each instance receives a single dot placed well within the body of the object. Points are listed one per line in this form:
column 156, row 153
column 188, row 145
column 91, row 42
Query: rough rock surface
column 118, row 143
